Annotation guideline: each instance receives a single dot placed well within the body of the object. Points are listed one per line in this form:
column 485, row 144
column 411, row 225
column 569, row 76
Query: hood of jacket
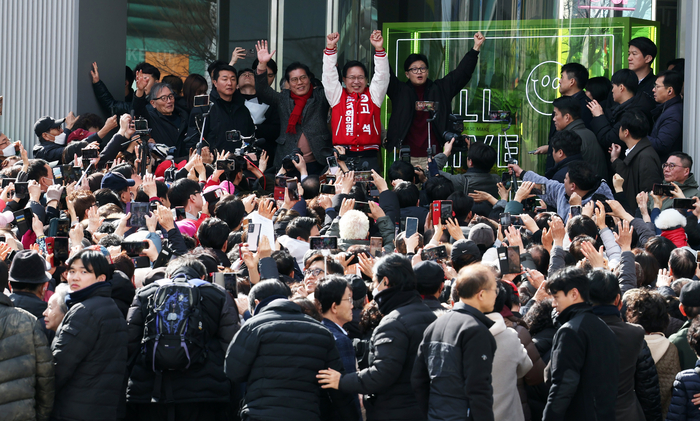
column 499, row 324
column 658, row 344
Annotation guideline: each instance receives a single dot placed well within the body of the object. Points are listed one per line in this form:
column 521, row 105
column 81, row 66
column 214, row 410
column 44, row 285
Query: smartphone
column 539, row 189
column 327, row 189
column 23, row 219
column 280, row 185
column 253, row 236
column 606, row 207
column 355, row 259
column 436, row 211
column 201, row 100
column 332, row 164
column 376, row 246
column 362, row 207
column 59, row 227
column 213, row 196
column 426, row 105
column 445, row 211
column 233, row 136
column 76, row 173
column 292, row 187
column 138, row 211
column 509, row 259
column 363, row 176
column 505, row 220
column 141, row 262
column 91, row 153
column 2, row 239
column 575, row 210
column 134, row 248
column 226, row 165
column 435, row 253
column 60, row 250
column 516, row 220
column 663, row 189
column 179, row 213
column 411, row 226
column 323, row 243
column 57, row 175
column 22, row 188
column 372, row 189
column 686, row 203
column 6, row 181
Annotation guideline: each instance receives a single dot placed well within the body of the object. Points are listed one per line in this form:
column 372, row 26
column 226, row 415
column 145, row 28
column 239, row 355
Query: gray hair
column 61, row 291
column 155, row 90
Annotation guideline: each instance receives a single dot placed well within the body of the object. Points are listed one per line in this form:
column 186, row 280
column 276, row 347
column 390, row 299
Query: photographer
column 410, row 128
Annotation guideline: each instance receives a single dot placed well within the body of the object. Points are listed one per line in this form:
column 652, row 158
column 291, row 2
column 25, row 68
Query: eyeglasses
column 246, row 74
column 416, row 70
column 355, row 78
column 301, row 79
column 349, row 299
column 166, row 98
column 314, row 272
column 670, row 166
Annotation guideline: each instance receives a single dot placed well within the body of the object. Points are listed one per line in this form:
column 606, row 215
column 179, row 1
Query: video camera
column 454, row 129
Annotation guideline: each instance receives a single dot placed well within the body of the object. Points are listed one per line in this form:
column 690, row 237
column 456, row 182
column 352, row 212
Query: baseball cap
column 429, row 273
column 482, row 235
column 464, row 247
column 116, row 182
column 46, row 123
column 690, row 294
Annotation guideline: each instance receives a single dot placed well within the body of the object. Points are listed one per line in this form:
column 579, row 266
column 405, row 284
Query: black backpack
column 174, row 334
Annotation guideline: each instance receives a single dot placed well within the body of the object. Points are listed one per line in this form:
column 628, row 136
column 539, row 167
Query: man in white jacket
column 355, row 114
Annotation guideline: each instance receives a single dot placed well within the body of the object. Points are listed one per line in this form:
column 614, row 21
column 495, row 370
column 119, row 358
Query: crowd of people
column 237, row 253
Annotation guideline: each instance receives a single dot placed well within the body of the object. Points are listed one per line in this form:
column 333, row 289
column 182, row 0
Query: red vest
column 355, row 121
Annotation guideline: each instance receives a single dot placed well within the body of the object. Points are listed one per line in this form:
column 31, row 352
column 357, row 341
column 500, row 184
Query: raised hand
column 332, row 40
column 624, row 238
column 478, row 41
column 237, row 54
column 377, row 40
column 94, row 73
column 264, row 55
column 595, row 108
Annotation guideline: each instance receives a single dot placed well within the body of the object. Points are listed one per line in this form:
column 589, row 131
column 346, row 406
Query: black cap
column 462, row 247
column 46, row 123
column 29, row 267
column 690, row 294
column 429, row 274
column 359, row 288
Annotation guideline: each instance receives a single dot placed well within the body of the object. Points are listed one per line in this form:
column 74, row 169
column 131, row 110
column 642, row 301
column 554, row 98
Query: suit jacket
column 641, row 168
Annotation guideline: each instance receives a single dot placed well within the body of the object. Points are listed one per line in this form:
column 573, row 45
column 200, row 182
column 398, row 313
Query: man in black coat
column 638, row 395
column 566, row 148
column 227, row 111
column 167, row 122
column 201, row 390
column 278, row 353
column 459, row 387
column 410, row 128
column 28, row 293
column 584, row 368
column 386, row 383
column 667, row 134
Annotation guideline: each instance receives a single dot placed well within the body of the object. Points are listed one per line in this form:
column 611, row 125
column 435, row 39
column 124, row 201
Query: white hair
column 354, row 225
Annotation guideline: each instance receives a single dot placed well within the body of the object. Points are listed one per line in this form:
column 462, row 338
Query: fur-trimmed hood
column 669, row 219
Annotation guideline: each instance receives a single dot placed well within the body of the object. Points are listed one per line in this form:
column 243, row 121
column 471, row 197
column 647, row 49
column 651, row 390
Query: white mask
column 375, row 291
column 9, row 151
column 60, row 139
column 257, row 111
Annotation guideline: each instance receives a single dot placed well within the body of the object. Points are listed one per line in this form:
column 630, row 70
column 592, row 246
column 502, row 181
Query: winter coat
column 560, row 169
column 386, row 384
column 555, row 195
column 590, row 148
column 313, row 122
column 638, row 384
column 163, row 130
column 89, row 354
column 533, row 377
column 641, row 169
column 459, row 387
column 109, row 105
column 223, row 116
column 346, row 351
column 122, row 291
column 203, row 381
column 685, row 387
column 607, row 127
column 665, row 357
column 49, row 151
column 510, row 363
column 34, row 305
column 667, row 134
column 278, row 353
column 585, row 119
column 584, row 368
column 26, row 364
column 686, row 355
column 403, row 99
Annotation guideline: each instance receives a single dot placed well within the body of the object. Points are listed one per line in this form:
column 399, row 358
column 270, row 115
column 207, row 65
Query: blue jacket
column 667, row 134
column 346, row 351
column 686, row 385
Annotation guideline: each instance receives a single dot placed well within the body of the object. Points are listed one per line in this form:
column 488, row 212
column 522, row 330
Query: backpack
column 174, row 336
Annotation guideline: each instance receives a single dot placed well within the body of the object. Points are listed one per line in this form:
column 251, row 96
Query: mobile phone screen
column 445, row 211
column 292, row 188
column 138, row 210
column 323, row 243
column 411, row 226
column 375, row 246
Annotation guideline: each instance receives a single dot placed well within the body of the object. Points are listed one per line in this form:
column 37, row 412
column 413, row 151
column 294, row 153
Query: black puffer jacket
column 122, row 291
column 638, row 395
column 163, row 130
column 393, row 348
column 109, row 105
column 278, row 353
column 34, row 305
column 584, row 368
column 223, row 116
column 27, row 381
column 403, row 98
column 205, row 382
column 90, row 356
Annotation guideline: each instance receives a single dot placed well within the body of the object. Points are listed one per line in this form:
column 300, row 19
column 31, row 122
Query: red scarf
column 299, row 104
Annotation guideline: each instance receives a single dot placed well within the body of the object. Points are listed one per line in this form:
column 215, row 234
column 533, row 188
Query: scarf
column 299, row 104
column 85, row 293
column 392, row 298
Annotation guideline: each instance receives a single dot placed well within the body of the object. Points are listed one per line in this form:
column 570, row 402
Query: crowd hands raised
column 189, row 270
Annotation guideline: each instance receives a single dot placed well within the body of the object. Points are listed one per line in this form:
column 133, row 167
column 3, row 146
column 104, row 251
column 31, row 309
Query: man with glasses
column 168, row 122
column 667, row 134
column 407, row 126
column 678, row 170
column 355, row 119
column 460, row 386
column 227, row 112
column 265, row 117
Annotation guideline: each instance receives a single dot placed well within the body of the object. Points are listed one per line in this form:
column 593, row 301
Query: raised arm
column 381, row 78
column 331, row 85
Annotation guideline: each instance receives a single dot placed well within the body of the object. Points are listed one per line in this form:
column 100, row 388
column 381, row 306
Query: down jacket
column 686, row 385
column 26, row 367
column 278, row 353
column 89, row 353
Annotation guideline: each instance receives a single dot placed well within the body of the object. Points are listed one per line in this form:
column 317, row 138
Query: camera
column 405, row 154
column 289, row 160
column 141, row 126
column 454, row 129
